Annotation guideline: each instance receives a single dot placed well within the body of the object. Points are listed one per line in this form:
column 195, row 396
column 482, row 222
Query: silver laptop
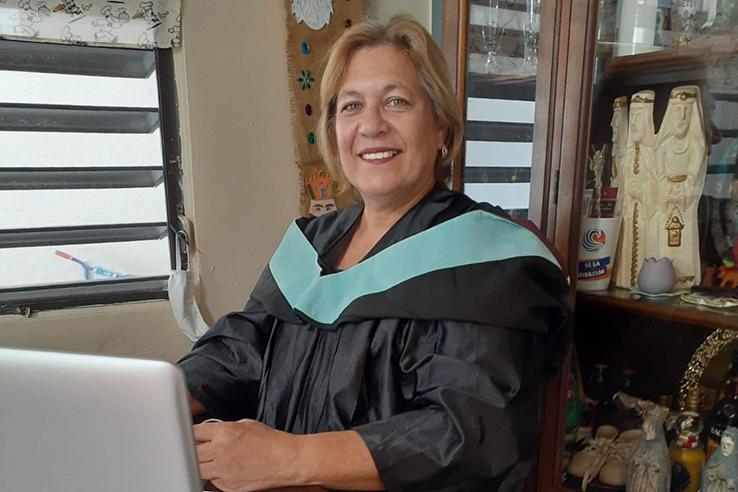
column 75, row 423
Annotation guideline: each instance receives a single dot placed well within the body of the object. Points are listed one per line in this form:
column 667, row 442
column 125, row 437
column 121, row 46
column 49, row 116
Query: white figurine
column 649, row 469
column 721, row 471
column 681, row 163
column 619, row 125
column 637, row 178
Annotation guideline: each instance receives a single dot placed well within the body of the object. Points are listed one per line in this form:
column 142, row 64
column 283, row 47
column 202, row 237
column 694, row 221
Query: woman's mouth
column 379, row 157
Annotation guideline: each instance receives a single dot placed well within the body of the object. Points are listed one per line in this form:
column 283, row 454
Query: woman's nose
column 373, row 122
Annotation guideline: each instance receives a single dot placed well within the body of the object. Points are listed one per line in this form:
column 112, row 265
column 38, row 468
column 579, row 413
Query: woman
column 398, row 343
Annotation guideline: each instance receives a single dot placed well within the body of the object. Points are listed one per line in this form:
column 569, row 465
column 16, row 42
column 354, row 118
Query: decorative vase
column 657, row 276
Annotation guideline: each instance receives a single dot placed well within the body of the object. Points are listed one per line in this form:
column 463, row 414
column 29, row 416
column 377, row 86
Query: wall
column 383, row 10
column 241, row 185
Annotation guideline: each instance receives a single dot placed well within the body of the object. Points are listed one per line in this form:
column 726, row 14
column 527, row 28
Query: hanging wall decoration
column 123, row 23
column 312, row 26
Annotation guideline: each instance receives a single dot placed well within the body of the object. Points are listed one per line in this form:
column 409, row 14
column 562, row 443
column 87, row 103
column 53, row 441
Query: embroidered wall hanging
column 312, row 26
column 143, row 24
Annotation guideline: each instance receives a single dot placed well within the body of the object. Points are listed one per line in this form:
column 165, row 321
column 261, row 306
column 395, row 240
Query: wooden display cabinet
column 567, row 97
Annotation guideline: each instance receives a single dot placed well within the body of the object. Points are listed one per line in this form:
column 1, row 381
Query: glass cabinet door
column 657, row 271
column 500, row 91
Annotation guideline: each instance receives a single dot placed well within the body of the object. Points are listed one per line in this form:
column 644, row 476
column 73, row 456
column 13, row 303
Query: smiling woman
column 399, row 57
column 387, row 135
column 381, row 347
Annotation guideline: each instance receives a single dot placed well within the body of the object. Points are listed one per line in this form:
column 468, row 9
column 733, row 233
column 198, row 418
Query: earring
column 444, row 151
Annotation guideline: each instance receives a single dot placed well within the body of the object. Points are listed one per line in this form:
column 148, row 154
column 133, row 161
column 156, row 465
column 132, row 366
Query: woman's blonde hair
column 408, row 36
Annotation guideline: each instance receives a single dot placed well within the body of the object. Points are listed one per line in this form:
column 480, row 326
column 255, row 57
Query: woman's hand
column 246, row 455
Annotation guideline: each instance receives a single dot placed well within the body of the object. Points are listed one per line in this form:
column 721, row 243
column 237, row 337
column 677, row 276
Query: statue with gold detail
column 636, row 187
column 681, row 162
column 320, row 187
column 619, row 125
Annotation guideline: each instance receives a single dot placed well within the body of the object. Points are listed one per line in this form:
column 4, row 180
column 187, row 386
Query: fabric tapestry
column 312, row 26
column 122, row 23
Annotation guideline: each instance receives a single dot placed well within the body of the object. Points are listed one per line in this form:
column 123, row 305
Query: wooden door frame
column 453, row 44
column 561, row 135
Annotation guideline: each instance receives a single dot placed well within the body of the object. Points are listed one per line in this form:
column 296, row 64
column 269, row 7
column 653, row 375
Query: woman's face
column 387, row 134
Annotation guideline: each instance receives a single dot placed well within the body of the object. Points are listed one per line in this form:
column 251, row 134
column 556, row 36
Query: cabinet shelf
column 657, row 67
column 679, row 63
column 670, row 309
column 501, row 87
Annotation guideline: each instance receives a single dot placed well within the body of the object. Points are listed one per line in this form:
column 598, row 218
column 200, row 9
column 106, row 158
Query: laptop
column 76, row 423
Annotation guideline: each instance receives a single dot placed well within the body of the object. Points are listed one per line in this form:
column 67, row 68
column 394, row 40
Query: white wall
column 383, row 10
column 241, row 183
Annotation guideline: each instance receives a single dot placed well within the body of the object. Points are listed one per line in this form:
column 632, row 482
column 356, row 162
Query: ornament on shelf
column 649, row 469
column 636, row 178
column 721, row 472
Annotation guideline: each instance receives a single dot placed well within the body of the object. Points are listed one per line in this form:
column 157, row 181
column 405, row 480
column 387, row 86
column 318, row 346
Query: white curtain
column 124, row 23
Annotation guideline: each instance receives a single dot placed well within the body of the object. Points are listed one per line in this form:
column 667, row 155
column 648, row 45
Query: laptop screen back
column 72, row 423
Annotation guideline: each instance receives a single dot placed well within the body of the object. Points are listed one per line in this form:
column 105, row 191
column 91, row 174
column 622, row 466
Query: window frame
column 27, row 300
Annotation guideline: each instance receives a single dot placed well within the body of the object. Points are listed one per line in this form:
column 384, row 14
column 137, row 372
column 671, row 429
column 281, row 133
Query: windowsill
column 138, row 329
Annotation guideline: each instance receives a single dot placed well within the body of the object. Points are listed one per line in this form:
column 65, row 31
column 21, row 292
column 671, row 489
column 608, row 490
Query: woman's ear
column 442, row 134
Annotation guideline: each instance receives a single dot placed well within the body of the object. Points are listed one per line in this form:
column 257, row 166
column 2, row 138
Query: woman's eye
column 349, row 107
column 397, row 102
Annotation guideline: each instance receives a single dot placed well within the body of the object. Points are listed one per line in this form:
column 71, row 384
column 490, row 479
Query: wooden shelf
column 674, row 64
column 671, row 309
column 659, row 67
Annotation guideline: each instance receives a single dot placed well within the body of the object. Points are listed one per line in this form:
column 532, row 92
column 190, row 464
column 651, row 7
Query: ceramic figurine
column 637, row 176
column 649, row 470
column 656, row 276
column 681, row 163
column 619, row 125
column 721, row 472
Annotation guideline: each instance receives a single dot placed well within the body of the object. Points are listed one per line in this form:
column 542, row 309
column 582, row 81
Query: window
column 89, row 182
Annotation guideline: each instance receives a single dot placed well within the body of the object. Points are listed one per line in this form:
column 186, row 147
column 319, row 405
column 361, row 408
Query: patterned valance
column 125, row 23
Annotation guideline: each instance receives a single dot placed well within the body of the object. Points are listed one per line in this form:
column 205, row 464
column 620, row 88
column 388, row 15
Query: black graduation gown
column 432, row 350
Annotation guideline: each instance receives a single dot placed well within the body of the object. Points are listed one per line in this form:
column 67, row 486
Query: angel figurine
column 721, row 472
column 649, row 470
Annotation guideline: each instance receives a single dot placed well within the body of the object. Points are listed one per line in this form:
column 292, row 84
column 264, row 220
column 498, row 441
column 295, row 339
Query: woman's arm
column 248, row 455
column 337, row 460
column 223, row 370
column 196, row 408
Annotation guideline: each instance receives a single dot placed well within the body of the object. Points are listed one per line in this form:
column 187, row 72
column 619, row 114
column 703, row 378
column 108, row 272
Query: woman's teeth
column 375, row 156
